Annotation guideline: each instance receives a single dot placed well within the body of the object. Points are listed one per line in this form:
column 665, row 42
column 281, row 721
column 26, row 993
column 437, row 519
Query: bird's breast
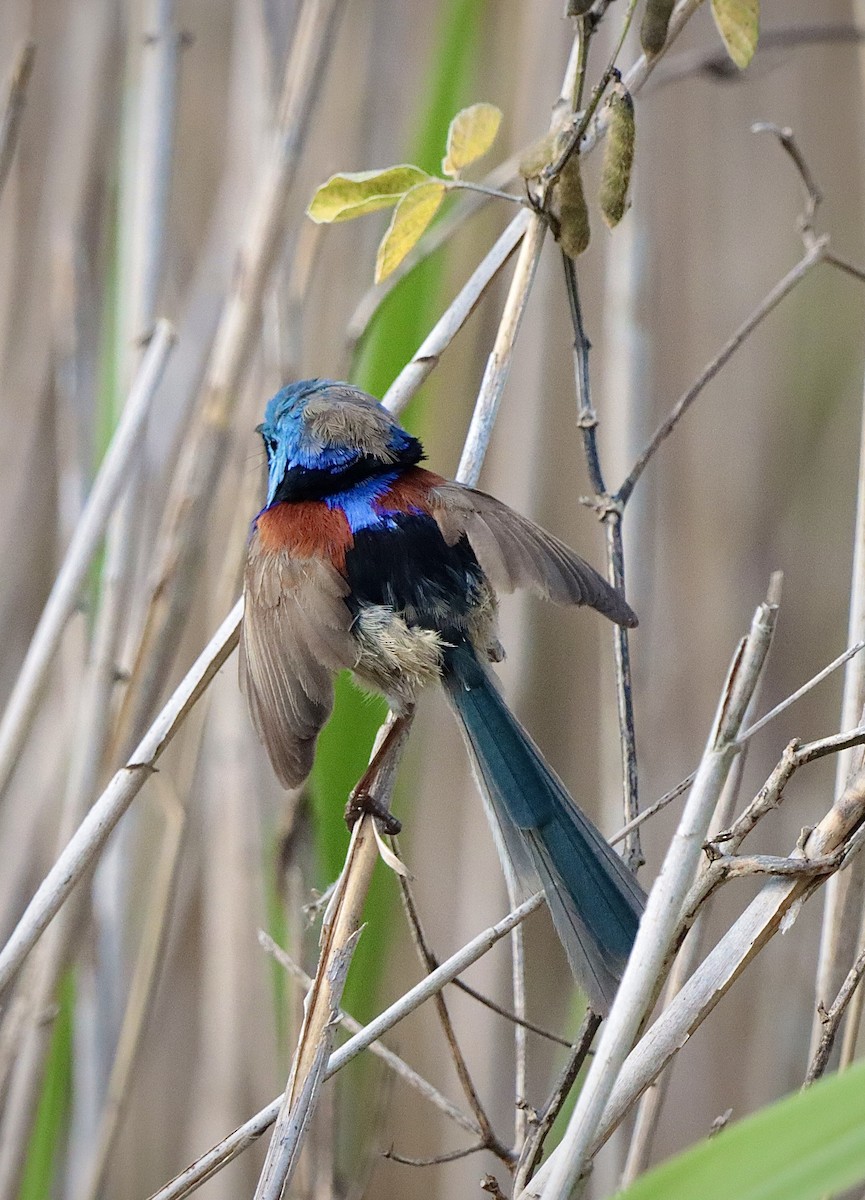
column 305, row 529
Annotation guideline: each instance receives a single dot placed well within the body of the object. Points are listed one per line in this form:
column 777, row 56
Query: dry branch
column 228, row 1149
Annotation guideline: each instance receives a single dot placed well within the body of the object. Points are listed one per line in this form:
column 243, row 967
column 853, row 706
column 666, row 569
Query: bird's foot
column 360, row 802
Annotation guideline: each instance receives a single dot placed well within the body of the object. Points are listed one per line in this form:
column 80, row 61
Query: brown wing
column 515, row 552
column 296, row 634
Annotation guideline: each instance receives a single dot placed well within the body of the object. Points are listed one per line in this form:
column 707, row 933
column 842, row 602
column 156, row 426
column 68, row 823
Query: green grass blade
column 52, row 1112
column 806, row 1146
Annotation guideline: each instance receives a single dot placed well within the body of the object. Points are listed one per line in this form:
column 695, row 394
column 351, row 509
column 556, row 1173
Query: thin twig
column 450, row 1156
column 611, row 516
column 813, row 195
column 771, row 301
column 547, row 1034
column 534, row 1146
column 746, row 736
column 831, row 1019
column 833, row 666
column 398, row 1065
column 228, row 1149
column 716, row 62
column 491, row 1141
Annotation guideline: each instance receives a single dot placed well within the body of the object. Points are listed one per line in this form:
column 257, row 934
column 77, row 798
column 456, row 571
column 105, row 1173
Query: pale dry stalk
column 90, row 838
column 63, row 598
column 660, row 920
column 774, row 908
column 185, row 524
column 842, row 914
column 238, row 1141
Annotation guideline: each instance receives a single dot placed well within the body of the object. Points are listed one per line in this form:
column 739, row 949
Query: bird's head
column 320, row 435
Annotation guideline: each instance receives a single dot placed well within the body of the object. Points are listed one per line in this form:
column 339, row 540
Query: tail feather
column 594, row 899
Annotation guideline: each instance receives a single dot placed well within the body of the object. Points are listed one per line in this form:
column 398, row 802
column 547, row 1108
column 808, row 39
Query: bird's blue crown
column 322, row 436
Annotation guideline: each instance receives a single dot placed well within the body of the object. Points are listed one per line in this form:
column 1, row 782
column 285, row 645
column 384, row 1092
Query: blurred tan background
column 759, row 477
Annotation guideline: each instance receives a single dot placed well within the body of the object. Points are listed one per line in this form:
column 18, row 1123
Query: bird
column 362, row 559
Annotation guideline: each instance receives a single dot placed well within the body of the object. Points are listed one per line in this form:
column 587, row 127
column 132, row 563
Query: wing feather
column 296, row 634
column 515, row 552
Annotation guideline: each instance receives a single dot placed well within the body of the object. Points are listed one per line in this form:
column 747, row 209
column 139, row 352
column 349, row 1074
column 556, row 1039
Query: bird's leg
column 361, row 799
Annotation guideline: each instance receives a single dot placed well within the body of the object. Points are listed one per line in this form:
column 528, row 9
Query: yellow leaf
column 738, row 23
column 352, row 194
column 410, row 218
column 471, row 133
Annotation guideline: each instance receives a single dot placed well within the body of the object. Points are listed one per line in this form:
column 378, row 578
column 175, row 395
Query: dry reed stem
column 142, row 245
column 338, row 938
column 842, row 914
column 185, row 524
column 396, row 1064
column 107, row 488
column 427, row 356
column 774, row 908
column 660, row 919
column 652, row 1101
column 238, row 1141
column 92, row 834
column 141, row 990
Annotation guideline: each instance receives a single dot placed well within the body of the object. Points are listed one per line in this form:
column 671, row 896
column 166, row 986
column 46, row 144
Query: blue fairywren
column 362, row 559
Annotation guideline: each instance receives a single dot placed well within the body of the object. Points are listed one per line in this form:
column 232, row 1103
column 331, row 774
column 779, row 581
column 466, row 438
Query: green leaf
column 410, row 218
column 352, row 194
column 738, row 23
column 470, row 135
column 806, row 1146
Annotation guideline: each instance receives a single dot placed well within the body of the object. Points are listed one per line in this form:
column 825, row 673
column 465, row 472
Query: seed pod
column 539, row 155
column 572, row 211
column 578, row 8
column 618, row 157
column 653, row 30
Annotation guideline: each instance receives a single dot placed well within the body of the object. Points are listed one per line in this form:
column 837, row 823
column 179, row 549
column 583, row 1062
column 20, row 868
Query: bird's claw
column 362, row 802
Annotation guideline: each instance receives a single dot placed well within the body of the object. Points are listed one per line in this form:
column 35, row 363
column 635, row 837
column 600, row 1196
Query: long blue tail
column 594, row 898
